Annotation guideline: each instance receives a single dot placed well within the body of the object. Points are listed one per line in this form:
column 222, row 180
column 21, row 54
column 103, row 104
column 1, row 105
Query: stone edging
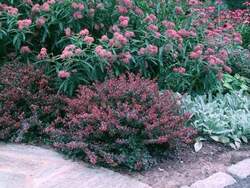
column 234, row 173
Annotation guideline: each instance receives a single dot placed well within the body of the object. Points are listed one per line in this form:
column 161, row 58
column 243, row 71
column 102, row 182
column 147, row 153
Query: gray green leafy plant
column 224, row 118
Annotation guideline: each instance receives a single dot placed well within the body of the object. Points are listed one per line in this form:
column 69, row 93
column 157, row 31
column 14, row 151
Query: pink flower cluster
column 123, row 21
column 43, row 54
column 24, row 23
column 197, row 52
column 125, row 57
column 70, row 51
column 63, row 74
column 25, row 50
column 149, row 50
column 100, row 51
column 79, row 6
column 40, row 22
column 180, row 70
column 9, row 9
column 118, row 40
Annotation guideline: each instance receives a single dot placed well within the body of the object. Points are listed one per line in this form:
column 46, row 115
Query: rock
column 217, row 180
column 240, row 169
column 23, row 166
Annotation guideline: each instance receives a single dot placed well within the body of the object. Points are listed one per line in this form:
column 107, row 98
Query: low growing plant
column 224, row 118
column 119, row 123
column 27, row 103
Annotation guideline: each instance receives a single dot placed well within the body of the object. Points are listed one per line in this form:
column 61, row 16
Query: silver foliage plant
column 223, row 118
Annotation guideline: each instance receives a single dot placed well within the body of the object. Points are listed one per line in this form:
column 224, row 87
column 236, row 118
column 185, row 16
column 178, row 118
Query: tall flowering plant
column 187, row 44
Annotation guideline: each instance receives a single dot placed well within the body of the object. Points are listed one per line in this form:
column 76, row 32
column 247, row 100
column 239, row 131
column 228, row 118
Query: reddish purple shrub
column 116, row 122
column 26, row 102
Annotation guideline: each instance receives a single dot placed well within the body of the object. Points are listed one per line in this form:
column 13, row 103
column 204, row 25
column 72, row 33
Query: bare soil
column 186, row 166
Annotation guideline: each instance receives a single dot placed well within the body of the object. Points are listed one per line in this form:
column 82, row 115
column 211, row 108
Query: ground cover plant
column 86, row 75
column 224, row 118
column 120, row 122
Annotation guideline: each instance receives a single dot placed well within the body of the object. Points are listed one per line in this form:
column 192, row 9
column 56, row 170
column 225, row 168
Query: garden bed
column 188, row 166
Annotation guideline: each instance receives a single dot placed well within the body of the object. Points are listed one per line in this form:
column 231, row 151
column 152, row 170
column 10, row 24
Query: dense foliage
column 185, row 44
column 27, row 103
column 224, row 118
column 119, row 122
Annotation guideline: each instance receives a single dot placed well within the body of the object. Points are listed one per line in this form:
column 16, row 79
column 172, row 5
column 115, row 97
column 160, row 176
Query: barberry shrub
column 27, row 103
column 115, row 123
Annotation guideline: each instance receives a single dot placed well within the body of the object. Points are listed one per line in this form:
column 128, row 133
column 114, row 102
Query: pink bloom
column 150, row 49
column 185, row 33
column 78, row 51
column 237, row 38
column 28, row 2
column 84, row 32
column 104, row 38
column 152, row 27
column 138, row 11
column 103, row 53
column 43, row 54
column 180, row 70
column 40, row 22
column 172, row 34
column 68, row 51
column 77, row 15
column 223, row 54
column 150, row 18
column 123, row 21
column 142, row 51
column 45, row 7
column 25, row 50
column 125, row 57
column 120, row 38
column 88, row 39
column 100, row 6
column 51, row 2
column 114, row 28
column 227, row 69
column 79, row 6
column 24, row 23
column 195, row 54
column 128, row 3
column 36, row 8
column 168, row 24
column 67, row 32
column 63, row 74
column 91, row 12
column 122, row 10
column 178, row 10
column 194, row 2
column 129, row 34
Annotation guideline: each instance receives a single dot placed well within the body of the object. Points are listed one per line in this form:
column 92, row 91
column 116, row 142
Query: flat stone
column 240, row 169
column 23, row 166
column 217, row 180
column 12, row 180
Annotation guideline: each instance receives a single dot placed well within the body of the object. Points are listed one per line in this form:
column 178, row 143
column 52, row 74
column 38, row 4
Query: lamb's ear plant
column 223, row 118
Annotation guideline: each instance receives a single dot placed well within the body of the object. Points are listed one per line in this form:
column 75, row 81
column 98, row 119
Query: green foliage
column 235, row 83
column 224, row 118
column 235, row 4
